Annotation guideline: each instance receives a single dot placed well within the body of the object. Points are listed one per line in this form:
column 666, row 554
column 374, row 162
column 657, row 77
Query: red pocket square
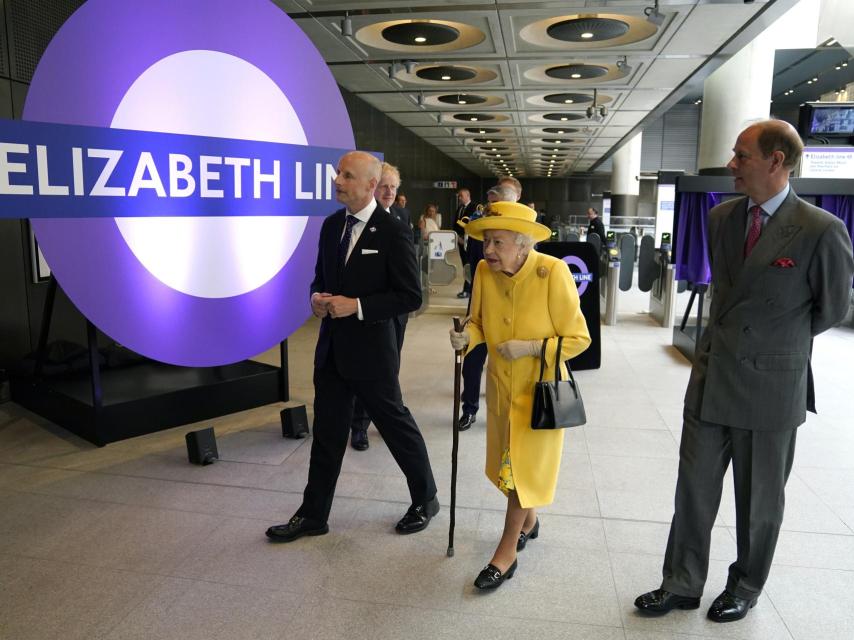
column 783, row 263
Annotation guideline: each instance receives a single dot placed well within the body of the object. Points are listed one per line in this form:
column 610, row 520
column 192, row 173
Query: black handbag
column 557, row 404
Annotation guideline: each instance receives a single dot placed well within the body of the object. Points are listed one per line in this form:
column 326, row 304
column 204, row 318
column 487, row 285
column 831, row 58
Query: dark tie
column 344, row 244
column 755, row 229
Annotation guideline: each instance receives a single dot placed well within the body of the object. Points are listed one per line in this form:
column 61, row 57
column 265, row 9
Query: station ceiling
column 505, row 87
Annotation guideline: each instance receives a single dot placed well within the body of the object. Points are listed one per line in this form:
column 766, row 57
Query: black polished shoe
column 659, row 602
column 463, row 294
column 728, row 608
column 532, row 534
column 297, row 527
column 491, row 577
column 467, row 420
column 359, row 439
column 418, row 517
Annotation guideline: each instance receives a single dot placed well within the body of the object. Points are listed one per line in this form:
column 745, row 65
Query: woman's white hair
column 524, row 240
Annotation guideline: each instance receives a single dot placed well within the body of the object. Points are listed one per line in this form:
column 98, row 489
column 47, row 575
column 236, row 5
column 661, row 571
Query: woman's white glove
column 460, row 339
column 513, row 349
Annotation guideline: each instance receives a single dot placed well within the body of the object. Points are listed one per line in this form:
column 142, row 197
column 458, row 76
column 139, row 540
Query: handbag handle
column 557, row 361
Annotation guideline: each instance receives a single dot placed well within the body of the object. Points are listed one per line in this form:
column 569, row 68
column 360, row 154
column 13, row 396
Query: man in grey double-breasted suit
column 782, row 272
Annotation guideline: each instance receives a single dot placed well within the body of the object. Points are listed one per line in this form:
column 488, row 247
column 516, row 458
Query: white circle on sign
column 208, row 93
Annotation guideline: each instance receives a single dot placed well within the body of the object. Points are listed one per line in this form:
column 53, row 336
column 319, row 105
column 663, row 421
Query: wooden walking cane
column 458, row 368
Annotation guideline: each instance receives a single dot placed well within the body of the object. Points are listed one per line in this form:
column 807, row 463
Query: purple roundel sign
column 213, row 83
column 583, row 277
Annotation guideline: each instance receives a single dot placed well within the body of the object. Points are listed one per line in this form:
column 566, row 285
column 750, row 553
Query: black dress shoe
column 524, row 537
column 418, row 517
column 297, row 527
column 467, row 420
column 359, row 439
column 491, row 577
column 727, row 607
column 659, row 602
column 463, row 294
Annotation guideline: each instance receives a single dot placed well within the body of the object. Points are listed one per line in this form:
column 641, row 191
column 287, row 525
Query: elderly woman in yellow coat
column 519, row 298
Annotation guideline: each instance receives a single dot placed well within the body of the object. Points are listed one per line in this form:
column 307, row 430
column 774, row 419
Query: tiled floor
column 132, row 542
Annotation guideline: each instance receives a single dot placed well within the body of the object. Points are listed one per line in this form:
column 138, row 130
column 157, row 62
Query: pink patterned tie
column 755, row 229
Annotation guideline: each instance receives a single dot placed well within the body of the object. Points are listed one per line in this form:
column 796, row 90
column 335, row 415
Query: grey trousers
column 761, row 462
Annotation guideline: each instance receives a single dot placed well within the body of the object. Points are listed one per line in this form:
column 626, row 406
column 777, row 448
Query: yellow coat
column 539, row 301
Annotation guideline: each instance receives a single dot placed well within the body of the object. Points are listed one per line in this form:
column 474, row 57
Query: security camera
column 603, row 111
column 591, row 112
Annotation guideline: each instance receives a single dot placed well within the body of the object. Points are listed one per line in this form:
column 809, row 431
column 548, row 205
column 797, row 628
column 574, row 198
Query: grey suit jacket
column 751, row 367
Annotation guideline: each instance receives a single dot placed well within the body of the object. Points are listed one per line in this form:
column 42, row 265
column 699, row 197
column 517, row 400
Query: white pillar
column 625, row 181
column 739, row 92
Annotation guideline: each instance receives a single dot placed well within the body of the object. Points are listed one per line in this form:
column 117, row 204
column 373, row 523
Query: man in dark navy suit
column 385, row 194
column 366, row 275
column 465, row 210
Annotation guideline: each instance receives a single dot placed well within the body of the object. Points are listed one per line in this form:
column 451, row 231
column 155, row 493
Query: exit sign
column 445, row 184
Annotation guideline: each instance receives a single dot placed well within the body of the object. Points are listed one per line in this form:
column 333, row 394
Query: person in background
column 427, row 223
column 596, row 225
column 400, row 210
column 782, row 270
column 539, row 293
column 504, row 191
column 465, row 210
column 385, row 195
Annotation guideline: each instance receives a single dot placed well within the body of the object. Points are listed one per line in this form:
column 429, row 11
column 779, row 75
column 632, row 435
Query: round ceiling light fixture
column 588, row 29
column 577, row 71
column 461, row 98
column 481, row 130
column 563, row 117
column 473, row 117
column 423, row 34
column 446, row 73
column 558, row 131
column 568, row 98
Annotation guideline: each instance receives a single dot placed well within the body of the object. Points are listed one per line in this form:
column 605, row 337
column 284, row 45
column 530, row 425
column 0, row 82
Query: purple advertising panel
column 197, row 247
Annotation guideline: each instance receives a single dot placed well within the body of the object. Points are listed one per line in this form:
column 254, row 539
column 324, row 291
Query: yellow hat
column 510, row 216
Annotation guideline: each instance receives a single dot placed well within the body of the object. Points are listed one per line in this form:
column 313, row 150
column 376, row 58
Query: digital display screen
column 832, row 120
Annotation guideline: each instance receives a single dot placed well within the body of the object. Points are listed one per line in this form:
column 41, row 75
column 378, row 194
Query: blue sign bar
column 66, row 171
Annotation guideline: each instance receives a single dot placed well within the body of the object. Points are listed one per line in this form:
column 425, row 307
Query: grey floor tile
column 628, row 536
column 44, row 599
column 816, row 550
column 238, row 553
column 192, row 610
column 635, row 488
column 816, row 604
column 632, row 443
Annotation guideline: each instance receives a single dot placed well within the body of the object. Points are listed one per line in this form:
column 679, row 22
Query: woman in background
column 427, row 222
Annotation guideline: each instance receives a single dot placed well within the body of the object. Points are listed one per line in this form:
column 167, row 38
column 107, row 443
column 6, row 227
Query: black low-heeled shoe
column 531, row 535
column 491, row 577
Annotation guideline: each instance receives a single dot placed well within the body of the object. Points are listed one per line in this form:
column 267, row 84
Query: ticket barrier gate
column 656, row 275
column 436, row 267
column 616, row 266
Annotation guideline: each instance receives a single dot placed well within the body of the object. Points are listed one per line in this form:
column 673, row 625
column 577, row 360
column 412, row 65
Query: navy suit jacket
column 383, row 274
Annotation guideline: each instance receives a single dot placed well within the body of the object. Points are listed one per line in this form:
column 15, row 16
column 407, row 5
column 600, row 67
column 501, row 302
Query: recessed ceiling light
column 844, row 64
column 446, row 77
column 586, row 35
column 420, row 39
column 554, row 156
column 564, row 118
column 809, row 81
column 568, row 101
column 461, row 102
column 482, row 131
column 489, row 142
column 493, row 149
column 560, row 131
column 838, row 67
column 575, row 76
column 473, row 119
